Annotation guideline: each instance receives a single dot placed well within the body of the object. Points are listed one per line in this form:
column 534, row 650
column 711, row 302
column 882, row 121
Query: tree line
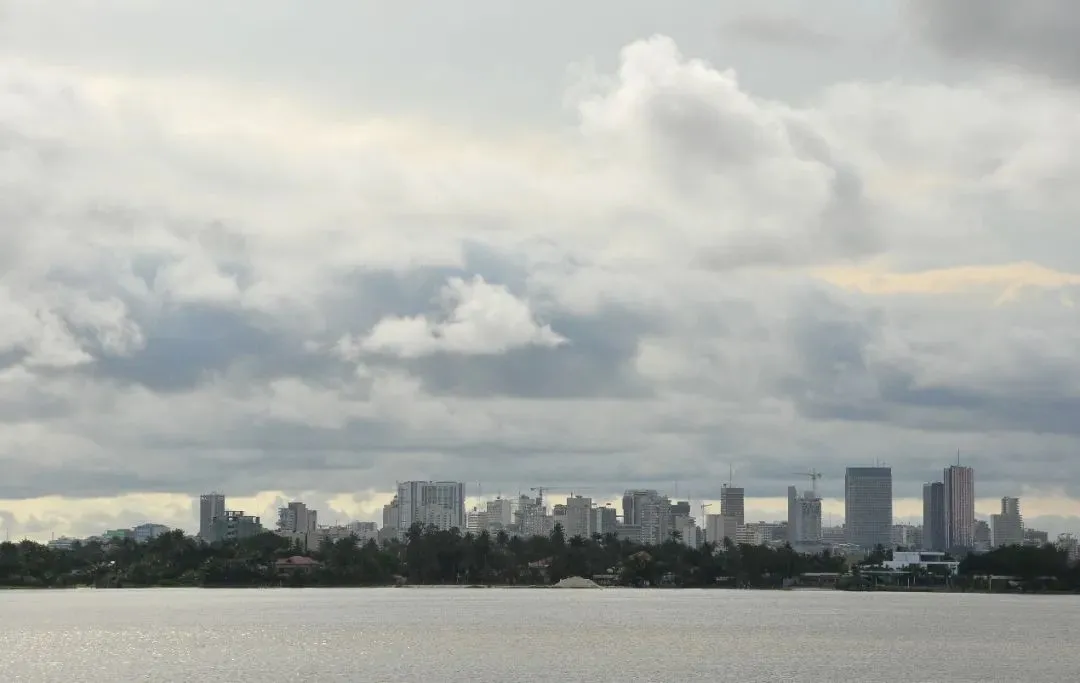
column 425, row 556
column 429, row 556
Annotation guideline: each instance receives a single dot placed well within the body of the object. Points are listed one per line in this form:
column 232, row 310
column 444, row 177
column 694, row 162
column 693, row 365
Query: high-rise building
column 656, row 521
column 632, row 503
column 500, row 514
column 579, row 517
column 733, row 503
column 211, row 506
column 732, row 511
column 605, row 520
column 296, row 518
column 804, row 518
column 868, row 506
column 959, row 507
column 933, row 514
column 431, row 503
column 1007, row 528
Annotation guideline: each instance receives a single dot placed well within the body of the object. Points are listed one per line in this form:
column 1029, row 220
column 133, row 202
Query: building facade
column 234, row 525
column 868, row 506
column 1007, row 527
column 959, row 507
column 431, row 503
column 934, row 516
column 579, row 517
column 296, row 518
column 145, row 533
column 804, row 518
column 211, row 506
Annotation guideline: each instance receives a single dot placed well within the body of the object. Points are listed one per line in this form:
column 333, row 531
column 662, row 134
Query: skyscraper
column 804, row 517
column 933, row 516
column 431, row 503
column 868, row 506
column 1007, row 528
column 959, row 507
column 211, row 506
column 732, row 510
column 632, row 503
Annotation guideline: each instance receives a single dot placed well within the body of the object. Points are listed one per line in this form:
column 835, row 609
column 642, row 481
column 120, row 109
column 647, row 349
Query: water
column 422, row 634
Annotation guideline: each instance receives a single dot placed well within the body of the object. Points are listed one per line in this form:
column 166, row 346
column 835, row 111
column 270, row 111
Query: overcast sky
column 284, row 249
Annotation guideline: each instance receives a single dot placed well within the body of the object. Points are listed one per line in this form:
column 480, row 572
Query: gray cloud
column 780, row 30
column 693, row 276
column 1038, row 35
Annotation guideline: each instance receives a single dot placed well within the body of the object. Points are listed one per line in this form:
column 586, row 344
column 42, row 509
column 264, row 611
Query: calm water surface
column 421, row 634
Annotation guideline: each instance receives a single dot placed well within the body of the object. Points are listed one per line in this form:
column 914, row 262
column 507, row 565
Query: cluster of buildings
column 649, row 517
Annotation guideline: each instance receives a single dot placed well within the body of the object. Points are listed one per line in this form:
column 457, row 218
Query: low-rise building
column 148, row 532
column 926, row 559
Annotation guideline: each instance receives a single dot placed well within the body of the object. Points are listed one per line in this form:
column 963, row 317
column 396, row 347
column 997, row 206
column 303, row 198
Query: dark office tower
column 868, row 506
column 933, row 516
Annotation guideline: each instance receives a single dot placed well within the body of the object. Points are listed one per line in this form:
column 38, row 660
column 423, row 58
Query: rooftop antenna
column 957, row 457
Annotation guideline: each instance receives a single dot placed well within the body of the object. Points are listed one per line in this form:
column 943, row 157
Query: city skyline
column 626, row 249
column 731, row 501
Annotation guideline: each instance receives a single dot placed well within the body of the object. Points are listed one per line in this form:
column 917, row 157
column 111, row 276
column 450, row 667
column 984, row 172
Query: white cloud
column 208, row 284
column 478, row 318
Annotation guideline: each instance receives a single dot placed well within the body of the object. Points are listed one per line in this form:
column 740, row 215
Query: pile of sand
column 576, row 582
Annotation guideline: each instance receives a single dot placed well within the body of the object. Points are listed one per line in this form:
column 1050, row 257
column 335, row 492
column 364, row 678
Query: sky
column 287, row 250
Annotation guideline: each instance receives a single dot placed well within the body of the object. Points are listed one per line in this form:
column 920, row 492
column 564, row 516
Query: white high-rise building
column 656, row 520
column 211, row 506
column 1007, row 528
column 804, row 518
column 579, row 517
column 296, row 518
column 431, row 503
column 959, row 507
column 531, row 517
column 500, row 514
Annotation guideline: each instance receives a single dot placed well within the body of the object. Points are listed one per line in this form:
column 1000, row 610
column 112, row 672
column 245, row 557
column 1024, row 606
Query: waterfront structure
column 959, row 507
column 804, row 518
column 1007, row 527
column 929, row 560
column 211, row 506
column 933, row 537
column 431, row 503
column 868, row 506
column 296, row 518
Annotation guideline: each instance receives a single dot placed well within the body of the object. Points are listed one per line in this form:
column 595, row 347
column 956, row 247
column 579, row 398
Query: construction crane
column 704, row 507
column 814, row 475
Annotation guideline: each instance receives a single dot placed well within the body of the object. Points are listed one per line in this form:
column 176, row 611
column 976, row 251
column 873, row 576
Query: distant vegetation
column 432, row 557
